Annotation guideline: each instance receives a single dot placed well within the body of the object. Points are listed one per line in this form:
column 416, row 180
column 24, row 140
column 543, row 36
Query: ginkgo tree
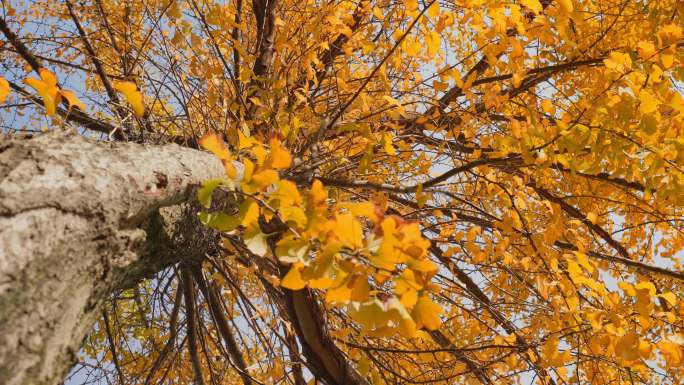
column 392, row 192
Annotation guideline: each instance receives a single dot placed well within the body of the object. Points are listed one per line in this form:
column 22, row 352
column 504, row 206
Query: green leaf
column 219, row 221
column 207, row 189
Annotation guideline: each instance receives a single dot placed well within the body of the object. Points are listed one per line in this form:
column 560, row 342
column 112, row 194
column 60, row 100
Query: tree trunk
column 80, row 219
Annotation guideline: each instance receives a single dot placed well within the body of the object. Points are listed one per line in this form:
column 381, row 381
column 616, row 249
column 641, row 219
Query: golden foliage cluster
column 467, row 191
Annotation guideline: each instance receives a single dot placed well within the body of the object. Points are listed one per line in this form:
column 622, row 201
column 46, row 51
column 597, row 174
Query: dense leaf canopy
column 445, row 191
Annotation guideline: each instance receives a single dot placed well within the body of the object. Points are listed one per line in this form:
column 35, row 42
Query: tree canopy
column 416, row 192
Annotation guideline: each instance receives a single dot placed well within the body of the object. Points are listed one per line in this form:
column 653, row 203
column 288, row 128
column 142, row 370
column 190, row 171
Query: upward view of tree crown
column 415, row 192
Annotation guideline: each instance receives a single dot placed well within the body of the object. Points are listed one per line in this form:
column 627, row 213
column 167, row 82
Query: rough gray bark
column 79, row 220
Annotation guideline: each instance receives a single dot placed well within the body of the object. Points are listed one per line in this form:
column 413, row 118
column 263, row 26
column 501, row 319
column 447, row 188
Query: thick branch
column 326, row 359
column 79, row 220
column 264, row 13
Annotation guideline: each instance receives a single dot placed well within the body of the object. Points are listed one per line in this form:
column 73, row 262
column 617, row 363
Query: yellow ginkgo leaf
column 647, row 287
column 362, row 209
column 293, row 279
column 387, row 144
column 426, row 313
column 646, row 49
column 4, row 89
column 627, row 347
column 433, row 11
column 339, row 294
column 349, row 230
column 433, row 41
column 671, row 352
column 360, row 290
column 265, row 178
column 132, row 95
column 566, row 5
column 249, row 212
column 423, row 265
column 667, row 60
column 244, row 141
column 533, row 5
column 407, row 327
column 649, row 103
column 49, row 93
column 72, row 100
column 670, row 297
column 318, row 192
column 214, row 143
column 280, row 157
column 645, row 349
column 409, row 298
column 48, row 77
column 287, row 193
column 517, row 79
column 592, row 217
column 618, row 61
column 247, row 171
